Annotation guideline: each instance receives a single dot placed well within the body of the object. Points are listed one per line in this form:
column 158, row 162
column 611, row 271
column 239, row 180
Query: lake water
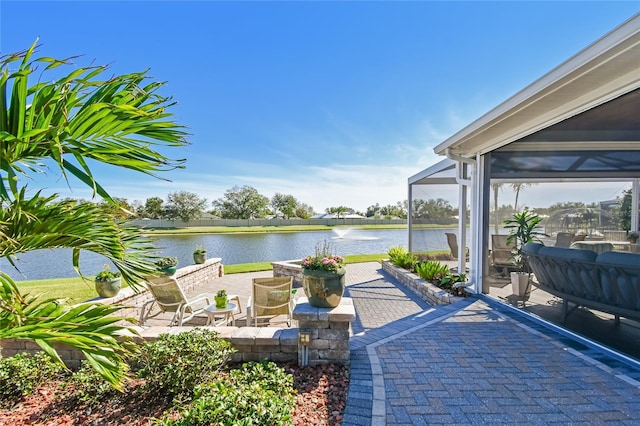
column 232, row 248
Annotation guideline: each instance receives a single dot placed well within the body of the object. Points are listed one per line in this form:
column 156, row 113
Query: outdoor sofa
column 608, row 282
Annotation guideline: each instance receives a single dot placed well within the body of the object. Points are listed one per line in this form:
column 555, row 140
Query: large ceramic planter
column 323, row 289
column 108, row 288
column 169, row 270
column 199, row 258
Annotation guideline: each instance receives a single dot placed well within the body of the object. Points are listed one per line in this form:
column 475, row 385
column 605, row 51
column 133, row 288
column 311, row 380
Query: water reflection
column 232, row 248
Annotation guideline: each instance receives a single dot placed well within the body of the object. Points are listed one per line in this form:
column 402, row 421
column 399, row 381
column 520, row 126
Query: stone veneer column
column 329, row 329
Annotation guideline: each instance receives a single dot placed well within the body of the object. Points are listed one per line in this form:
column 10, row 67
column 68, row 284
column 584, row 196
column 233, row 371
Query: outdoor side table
column 227, row 312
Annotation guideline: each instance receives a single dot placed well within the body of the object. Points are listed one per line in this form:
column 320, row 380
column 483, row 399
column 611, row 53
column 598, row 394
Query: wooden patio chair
column 270, row 297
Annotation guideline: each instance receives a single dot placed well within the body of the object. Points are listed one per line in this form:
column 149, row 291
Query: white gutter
column 462, row 204
column 459, row 170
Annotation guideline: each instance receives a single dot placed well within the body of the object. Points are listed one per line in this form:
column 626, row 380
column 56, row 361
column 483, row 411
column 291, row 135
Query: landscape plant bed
column 321, row 394
column 427, row 291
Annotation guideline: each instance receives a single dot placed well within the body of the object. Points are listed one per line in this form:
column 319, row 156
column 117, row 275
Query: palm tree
column 517, row 187
column 68, row 122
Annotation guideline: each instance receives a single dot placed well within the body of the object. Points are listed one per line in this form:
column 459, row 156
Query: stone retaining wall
column 189, row 277
column 427, row 291
column 288, row 268
column 328, row 328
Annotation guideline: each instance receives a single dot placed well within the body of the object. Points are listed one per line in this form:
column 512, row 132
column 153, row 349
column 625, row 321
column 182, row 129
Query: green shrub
column 22, row 374
column 431, row 270
column 256, row 394
column 176, row 363
column 89, row 386
column 449, row 280
column 400, row 257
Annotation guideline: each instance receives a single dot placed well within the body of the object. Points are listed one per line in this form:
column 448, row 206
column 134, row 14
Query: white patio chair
column 169, row 297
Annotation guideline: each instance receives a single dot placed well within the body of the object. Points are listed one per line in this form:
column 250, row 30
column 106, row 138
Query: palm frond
column 89, row 328
column 43, row 223
column 119, row 120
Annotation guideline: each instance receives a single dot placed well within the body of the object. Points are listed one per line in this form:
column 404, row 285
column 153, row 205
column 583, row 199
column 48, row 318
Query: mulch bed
column 320, row 400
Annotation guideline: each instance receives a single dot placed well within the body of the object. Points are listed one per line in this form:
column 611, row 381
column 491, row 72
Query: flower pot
column 323, row 288
column 199, row 258
column 109, row 288
column 221, row 301
column 169, row 270
column 520, row 283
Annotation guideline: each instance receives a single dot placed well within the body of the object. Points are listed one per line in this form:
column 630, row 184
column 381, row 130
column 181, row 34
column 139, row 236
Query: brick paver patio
column 473, row 363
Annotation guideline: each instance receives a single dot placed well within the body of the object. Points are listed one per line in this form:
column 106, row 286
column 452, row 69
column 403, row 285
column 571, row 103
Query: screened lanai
column 576, row 127
column 580, row 123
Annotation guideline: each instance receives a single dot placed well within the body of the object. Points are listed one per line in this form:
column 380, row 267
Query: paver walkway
column 474, row 362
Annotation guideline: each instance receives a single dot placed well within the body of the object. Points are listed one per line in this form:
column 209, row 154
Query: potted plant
column 167, row 265
column 633, row 237
column 199, row 255
column 221, row 298
column 323, row 277
column 107, row 282
column 522, row 230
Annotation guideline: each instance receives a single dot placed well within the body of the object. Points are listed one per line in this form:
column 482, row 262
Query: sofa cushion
column 620, row 278
column 532, row 248
column 569, row 273
column 569, row 253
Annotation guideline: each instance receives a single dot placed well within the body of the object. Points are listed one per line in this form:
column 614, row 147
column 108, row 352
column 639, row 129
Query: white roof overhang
column 605, row 70
column 436, row 174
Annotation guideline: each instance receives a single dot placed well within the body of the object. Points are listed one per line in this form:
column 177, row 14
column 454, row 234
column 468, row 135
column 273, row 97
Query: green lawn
column 76, row 290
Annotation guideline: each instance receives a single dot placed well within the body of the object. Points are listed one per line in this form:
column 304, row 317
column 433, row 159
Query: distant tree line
column 245, row 202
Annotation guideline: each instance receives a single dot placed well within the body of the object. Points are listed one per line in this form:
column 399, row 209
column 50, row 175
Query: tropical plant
column 454, row 283
column 431, row 270
column 106, row 274
column 88, row 327
column 323, row 260
column 522, row 230
column 167, row 262
column 199, row 250
column 68, row 120
column 400, row 257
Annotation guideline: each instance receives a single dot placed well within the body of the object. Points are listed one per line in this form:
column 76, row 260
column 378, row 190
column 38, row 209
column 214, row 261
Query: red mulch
column 320, row 400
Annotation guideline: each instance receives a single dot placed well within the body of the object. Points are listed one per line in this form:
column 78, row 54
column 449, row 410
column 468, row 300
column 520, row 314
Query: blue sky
column 336, row 103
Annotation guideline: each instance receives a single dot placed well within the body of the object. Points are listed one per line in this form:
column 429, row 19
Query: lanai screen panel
column 433, row 202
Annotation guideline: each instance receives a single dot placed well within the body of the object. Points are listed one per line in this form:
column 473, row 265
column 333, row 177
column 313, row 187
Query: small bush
column 176, row 363
column 400, row 257
column 22, row 374
column 431, row 270
column 89, row 386
column 256, row 394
